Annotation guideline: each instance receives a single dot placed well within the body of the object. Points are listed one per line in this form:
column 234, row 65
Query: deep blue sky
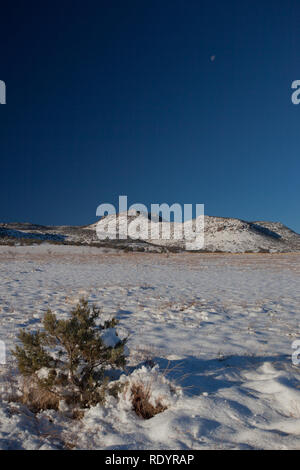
column 121, row 97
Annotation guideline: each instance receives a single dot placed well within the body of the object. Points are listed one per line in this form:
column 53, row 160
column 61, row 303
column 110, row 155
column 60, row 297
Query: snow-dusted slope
column 284, row 232
column 220, row 234
column 234, row 235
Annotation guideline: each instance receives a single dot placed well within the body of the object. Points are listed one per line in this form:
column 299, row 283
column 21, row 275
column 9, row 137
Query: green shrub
column 69, row 358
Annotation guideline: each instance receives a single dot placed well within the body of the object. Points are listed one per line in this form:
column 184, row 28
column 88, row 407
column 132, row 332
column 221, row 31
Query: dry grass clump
column 38, row 398
column 141, row 395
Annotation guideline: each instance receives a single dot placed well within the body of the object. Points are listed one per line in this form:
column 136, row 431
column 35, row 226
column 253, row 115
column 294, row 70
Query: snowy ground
column 221, row 324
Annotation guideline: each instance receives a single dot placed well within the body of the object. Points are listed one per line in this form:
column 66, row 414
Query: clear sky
column 183, row 101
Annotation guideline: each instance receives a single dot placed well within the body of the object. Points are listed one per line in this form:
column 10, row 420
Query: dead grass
column 38, row 398
column 191, row 260
column 141, row 402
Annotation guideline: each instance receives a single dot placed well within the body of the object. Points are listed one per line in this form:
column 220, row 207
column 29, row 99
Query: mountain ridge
column 221, row 234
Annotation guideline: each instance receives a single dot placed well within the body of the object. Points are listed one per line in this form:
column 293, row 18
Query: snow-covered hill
column 220, row 235
column 234, row 235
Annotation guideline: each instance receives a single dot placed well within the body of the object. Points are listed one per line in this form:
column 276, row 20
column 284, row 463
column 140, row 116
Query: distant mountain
column 220, row 235
column 235, row 235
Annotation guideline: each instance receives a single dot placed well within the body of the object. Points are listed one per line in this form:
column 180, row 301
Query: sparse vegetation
column 67, row 362
column 141, row 402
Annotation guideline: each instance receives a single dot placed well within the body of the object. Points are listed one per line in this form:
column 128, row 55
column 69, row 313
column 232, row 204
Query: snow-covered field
column 218, row 325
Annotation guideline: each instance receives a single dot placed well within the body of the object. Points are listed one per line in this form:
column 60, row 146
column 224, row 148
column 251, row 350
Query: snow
column 133, row 231
column 211, row 334
column 110, row 337
column 220, row 234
